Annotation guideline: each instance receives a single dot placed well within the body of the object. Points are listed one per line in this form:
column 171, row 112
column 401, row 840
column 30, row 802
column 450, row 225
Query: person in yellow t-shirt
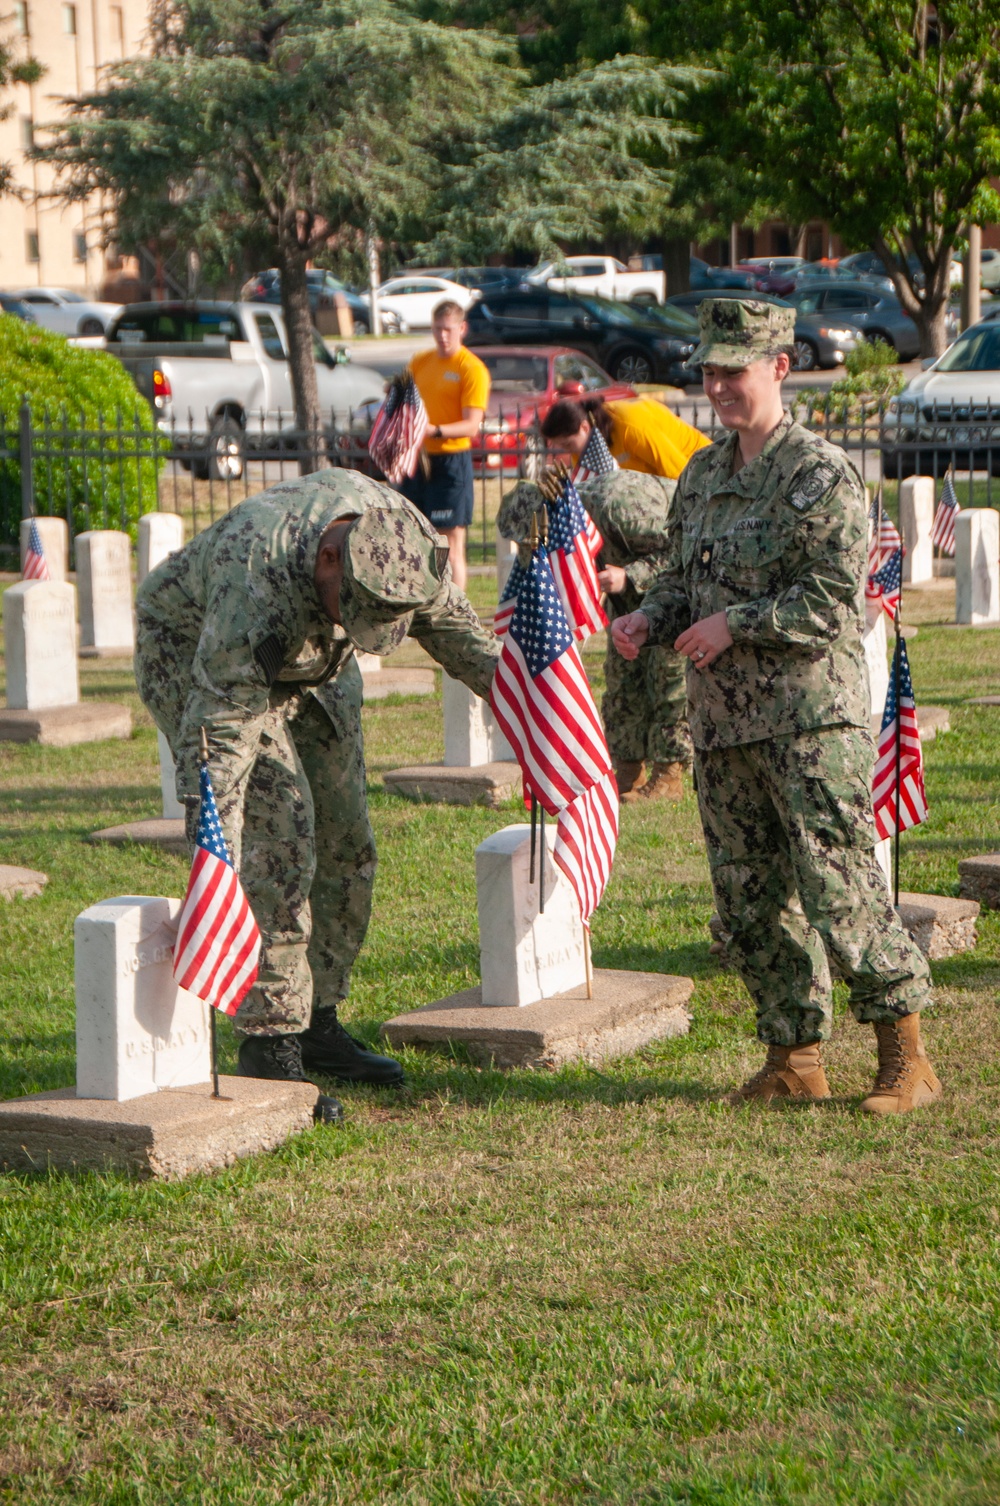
column 455, row 387
column 641, row 433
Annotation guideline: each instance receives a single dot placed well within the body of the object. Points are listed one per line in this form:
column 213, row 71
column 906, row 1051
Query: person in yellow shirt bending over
column 455, row 387
column 641, row 433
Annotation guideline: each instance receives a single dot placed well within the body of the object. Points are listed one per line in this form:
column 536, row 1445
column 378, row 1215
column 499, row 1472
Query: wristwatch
column 437, row 432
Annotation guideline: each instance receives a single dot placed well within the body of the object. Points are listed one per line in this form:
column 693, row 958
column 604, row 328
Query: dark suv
column 629, row 344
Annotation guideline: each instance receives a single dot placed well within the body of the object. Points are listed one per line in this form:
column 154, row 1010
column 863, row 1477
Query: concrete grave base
column 389, row 681
column 161, row 832
column 628, row 1011
column 168, row 1134
column 985, row 700
column 979, row 879
column 941, row 926
column 124, row 651
column 27, row 883
column 486, row 784
column 64, row 726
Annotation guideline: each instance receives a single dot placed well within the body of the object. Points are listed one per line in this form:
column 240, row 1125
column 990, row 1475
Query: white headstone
column 172, row 808
column 136, row 1031
column 104, row 576
column 877, row 663
column 55, row 544
column 506, row 555
column 916, row 524
column 525, row 956
column 471, row 734
column 160, row 535
column 977, row 571
column 39, row 629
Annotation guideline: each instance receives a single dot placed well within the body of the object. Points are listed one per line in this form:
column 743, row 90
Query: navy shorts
column 445, row 496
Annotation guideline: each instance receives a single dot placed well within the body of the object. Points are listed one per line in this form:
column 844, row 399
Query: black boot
column 279, row 1058
column 327, row 1048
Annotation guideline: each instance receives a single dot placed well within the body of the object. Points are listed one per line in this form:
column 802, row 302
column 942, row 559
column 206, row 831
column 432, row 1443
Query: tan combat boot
column 664, row 783
column 906, row 1079
column 788, row 1072
column 630, row 776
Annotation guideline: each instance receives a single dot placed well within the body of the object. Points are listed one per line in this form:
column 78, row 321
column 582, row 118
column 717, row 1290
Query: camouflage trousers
column 298, row 824
column 790, row 834
column 644, row 707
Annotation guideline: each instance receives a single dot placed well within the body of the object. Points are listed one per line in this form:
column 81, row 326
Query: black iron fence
column 107, row 474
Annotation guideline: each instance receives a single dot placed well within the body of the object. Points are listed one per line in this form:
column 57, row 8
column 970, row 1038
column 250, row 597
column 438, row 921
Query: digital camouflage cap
column 736, row 331
column 393, row 564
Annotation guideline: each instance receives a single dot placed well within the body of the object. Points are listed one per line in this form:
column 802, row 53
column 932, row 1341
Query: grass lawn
column 591, row 1286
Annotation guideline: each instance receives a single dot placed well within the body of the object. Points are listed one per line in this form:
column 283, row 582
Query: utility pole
column 972, row 271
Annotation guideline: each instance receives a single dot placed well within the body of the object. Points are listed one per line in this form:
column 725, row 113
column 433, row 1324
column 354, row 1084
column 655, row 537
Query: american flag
column 573, row 564
column 35, row 564
column 886, row 585
column 885, row 538
column 218, row 943
column 944, row 519
column 541, row 698
column 596, row 459
column 586, row 834
column 399, row 429
column 508, row 601
column 912, row 795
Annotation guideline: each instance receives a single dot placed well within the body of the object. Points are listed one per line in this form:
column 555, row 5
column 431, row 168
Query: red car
column 525, row 380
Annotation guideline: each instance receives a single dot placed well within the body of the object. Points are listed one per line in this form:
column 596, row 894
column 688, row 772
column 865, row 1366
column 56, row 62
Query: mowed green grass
column 591, row 1286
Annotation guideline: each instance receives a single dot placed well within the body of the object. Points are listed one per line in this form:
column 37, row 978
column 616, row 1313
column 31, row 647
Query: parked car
column 265, row 287
column 989, row 269
column 878, row 314
column 950, row 413
column 817, row 342
column 412, row 300
column 217, row 376
column 15, row 306
column 603, row 276
column 493, row 278
column 869, row 264
column 622, row 339
column 525, row 382
column 704, row 276
column 67, row 313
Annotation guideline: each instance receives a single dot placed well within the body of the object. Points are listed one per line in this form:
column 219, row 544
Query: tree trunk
column 374, row 279
column 676, row 265
column 928, row 308
column 302, row 360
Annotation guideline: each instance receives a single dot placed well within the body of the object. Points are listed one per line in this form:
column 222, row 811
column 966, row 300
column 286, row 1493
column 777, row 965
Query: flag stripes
column 218, row 944
column 399, row 429
column 572, row 561
column 35, row 564
column 912, row 794
column 586, row 835
column 595, row 460
column 943, row 536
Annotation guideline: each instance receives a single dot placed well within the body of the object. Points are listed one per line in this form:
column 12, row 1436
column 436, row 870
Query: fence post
column 27, row 464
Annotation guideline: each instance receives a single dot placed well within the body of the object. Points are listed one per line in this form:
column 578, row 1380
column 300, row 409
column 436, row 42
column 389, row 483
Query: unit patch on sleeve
column 821, row 479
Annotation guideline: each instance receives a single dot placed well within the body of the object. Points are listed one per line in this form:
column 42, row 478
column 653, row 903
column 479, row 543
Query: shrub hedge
column 73, row 394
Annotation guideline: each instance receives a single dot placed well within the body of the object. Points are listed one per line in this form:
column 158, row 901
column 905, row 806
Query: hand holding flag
column 399, row 429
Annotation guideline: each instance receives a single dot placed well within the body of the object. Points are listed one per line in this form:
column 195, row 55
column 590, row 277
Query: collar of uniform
column 747, row 480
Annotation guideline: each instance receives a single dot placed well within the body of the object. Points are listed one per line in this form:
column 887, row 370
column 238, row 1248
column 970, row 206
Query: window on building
column 118, row 28
column 21, row 17
column 27, row 133
column 69, row 20
column 31, row 252
column 79, row 245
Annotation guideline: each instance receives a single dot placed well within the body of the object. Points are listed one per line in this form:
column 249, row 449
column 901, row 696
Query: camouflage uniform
column 644, row 706
column 232, row 637
column 781, row 720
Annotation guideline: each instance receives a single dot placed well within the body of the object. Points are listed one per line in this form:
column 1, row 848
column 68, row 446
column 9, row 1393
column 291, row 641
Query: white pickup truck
column 603, row 276
column 218, row 379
